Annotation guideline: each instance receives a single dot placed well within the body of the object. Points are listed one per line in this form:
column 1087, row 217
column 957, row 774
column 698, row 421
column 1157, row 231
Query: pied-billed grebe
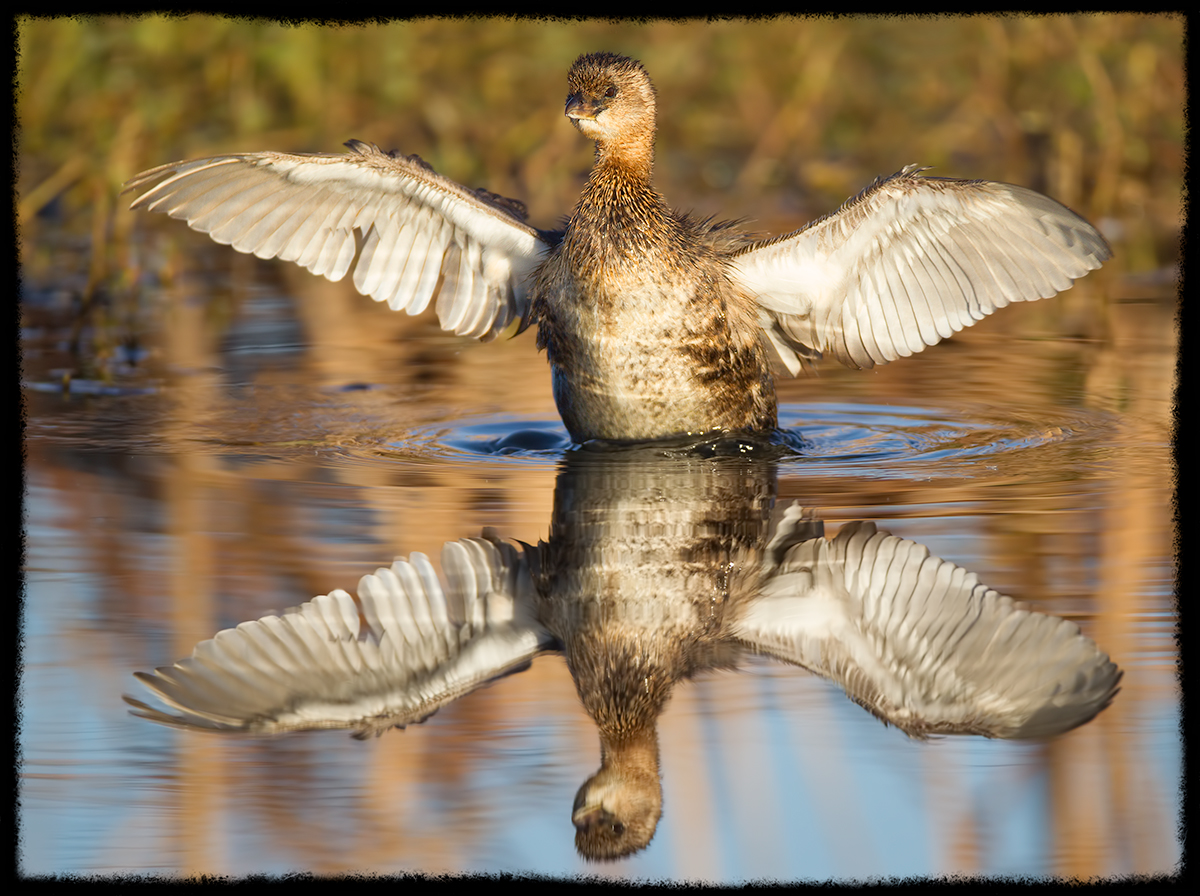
column 654, row 323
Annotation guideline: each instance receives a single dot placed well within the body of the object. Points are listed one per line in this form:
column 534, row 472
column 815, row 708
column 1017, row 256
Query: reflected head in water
column 654, row 323
column 656, row 569
column 617, row 809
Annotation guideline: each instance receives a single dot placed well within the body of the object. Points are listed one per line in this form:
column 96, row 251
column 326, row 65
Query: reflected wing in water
column 909, row 261
column 408, row 233
column 922, row 644
column 392, row 658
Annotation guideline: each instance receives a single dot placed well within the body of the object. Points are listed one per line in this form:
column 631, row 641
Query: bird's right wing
column 405, row 648
column 409, row 233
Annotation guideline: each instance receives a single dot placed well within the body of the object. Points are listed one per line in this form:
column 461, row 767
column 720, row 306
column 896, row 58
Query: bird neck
column 631, row 751
column 629, row 158
column 618, row 198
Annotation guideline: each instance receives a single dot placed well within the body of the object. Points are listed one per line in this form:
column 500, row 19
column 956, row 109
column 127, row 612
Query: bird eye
column 617, row 827
column 610, row 93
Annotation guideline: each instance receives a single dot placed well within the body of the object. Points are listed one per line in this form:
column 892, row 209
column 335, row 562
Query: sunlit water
column 248, row 462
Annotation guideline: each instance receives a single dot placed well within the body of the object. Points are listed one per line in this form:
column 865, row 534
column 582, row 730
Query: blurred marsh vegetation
column 775, row 120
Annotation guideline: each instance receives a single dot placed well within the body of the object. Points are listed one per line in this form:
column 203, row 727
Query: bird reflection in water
column 656, row 568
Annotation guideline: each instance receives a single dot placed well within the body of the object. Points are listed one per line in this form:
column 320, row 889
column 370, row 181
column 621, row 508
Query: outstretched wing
column 405, row 648
column 922, row 644
column 408, row 233
column 909, row 261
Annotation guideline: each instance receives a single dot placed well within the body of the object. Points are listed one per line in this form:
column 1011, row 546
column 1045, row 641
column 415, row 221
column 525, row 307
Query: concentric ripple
column 861, row 439
column 855, row 439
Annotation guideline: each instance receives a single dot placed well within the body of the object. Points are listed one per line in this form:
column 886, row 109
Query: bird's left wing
column 406, row 647
column 409, row 234
column 921, row 643
column 909, row 261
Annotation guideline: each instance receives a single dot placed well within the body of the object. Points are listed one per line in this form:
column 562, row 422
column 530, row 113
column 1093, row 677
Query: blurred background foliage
column 776, row 120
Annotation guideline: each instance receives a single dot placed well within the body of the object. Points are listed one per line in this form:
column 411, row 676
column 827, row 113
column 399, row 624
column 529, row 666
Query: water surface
column 193, row 494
